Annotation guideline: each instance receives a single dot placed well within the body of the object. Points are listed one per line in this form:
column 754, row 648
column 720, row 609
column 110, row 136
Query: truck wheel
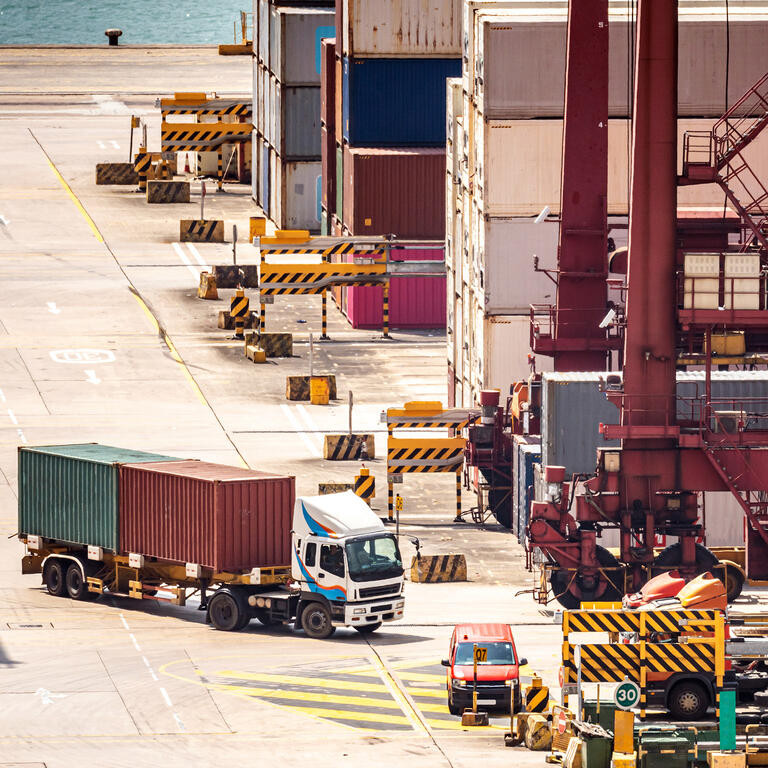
column 731, row 575
column 54, row 578
column 225, row 612
column 316, row 621
column 366, row 629
column 77, row 586
column 688, row 700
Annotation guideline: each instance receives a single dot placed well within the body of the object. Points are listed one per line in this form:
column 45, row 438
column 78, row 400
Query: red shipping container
column 395, row 191
column 328, row 169
column 414, row 302
column 219, row 517
column 338, row 122
column 328, row 83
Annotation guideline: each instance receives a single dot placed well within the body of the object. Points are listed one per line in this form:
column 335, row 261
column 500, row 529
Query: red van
column 498, row 679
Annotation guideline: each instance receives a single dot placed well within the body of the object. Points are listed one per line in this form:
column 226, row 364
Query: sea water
column 82, row 22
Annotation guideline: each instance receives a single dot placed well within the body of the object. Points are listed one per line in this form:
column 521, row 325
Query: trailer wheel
column 733, row 578
column 563, row 581
column 54, row 578
column 316, row 621
column 77, row 586
column 688, row 700
column 366, row 629
column 225, row 612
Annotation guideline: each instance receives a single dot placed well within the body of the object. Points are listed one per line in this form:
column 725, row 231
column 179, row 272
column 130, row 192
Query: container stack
column 504, row 145
column 286, row 95
column 384, row 142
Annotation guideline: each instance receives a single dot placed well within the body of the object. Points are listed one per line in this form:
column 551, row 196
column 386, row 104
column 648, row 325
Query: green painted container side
column 70, row 492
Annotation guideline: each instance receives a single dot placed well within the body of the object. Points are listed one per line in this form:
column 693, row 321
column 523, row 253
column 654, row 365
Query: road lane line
column 304, row 437
column 193, row 250
column 114, row 144
column 12, row 417
column 2, row 396
column 22, row 436
column 183, row 256
column 135, row 643
column 125, row 623
column 310, row 422
column 166, row 697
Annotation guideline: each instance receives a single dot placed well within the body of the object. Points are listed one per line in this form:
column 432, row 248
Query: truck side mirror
column 522, row 662
column 446, row 662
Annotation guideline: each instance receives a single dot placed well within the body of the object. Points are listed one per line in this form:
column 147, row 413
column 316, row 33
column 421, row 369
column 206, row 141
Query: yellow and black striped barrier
column 348, row 447
column 673, row 622
column 239, row 310
column 202, row 137
column 270, row 246
column 298, row 387
column 227, row 323
column 116, row 173
column 435, row 569
column 365, row 485
column 167, row 191
column 433, row 454
column 429, row 415
column 293, row 279
column 201, row 231
column 536, row 696
column 142, row 162
column 281, row 345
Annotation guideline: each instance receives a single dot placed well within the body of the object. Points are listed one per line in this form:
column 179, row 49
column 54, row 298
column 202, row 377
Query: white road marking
column 101, row 144
column 2, row 396
column 4, row 221
column 22, row 436
column 166, row 696
column 179, row 722
column 82, row 356
column 154, row 676
column 309, row 421
column 91, row 378
column 114, row 144
column 53, row 309
column 46, row 696
column 134, row 641
column 311, row 447
column 146, row 661
column 109, row 106
column 193, row 250
column 183, row 256
column 12, row 416
column 125, row 623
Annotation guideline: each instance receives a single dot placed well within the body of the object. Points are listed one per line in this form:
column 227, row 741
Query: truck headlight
column 400, row 604
column 358, row 611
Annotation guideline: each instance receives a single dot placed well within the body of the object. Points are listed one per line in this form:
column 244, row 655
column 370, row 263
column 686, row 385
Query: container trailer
column 102, row 520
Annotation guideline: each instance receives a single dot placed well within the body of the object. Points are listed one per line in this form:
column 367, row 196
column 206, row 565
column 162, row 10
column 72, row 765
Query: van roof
column 474, row 632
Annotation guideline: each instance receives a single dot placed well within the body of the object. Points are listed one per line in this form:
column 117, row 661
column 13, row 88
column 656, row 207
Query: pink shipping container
column 219, row 517
column 414, row 302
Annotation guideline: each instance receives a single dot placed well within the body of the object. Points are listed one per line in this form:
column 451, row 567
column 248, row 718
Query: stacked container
column 505, row 154
column 391, row 64
column 286, row 94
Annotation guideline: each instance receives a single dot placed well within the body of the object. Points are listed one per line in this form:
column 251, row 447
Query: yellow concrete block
column 207, row 287
column 257, row 226
column 726, row 759
column 257, row 354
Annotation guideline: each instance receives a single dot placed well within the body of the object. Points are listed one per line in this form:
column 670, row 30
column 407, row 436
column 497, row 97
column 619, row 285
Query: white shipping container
column 517, row 167
column 294, row 43
column 723, row 519
column 263, row 32
column 401, row 28
column 297, row 201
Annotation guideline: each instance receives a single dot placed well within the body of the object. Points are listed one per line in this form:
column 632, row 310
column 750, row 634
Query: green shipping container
column 70, row 492
column 339, row 181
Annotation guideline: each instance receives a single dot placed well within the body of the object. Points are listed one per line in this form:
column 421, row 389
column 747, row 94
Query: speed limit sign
column 626, row 695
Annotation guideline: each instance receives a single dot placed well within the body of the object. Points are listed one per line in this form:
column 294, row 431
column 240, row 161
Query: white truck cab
column 346, row 564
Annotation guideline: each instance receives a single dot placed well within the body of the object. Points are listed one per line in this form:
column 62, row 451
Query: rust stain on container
column 225, row 518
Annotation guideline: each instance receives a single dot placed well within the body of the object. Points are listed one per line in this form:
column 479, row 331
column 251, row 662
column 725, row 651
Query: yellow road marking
column 321, row 682
column 324, row 698
column 422, row 677
column 340, row 714
column 455, row 725
column 431, row 692
column 408, row 708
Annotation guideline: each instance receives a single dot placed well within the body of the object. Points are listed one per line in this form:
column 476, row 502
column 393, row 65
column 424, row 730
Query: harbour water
column 82, row 22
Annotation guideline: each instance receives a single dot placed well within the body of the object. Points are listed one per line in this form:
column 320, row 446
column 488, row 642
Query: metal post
column 458, row 496
column 130, row 144
column 220, row 162
column 234, row 244
column 311, row 357
column 202, row 202
column 351, row 400
column 390, row 501
column 385, row 310
column 577, row 662
column 474, row 678
column 262, row 305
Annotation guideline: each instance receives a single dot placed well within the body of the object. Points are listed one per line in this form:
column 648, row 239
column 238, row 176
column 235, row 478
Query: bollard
column 113, row 34
column 238, row 308
column 365, row 485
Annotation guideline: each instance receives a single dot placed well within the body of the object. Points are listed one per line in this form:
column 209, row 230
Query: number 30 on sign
column 626, row 695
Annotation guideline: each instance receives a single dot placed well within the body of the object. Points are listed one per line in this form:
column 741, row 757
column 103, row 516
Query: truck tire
column 55, row 578
column 688, row 700
column 734, row 576
column 77, row 586
column 316, row 621
column 366, row 629
column 226, row 612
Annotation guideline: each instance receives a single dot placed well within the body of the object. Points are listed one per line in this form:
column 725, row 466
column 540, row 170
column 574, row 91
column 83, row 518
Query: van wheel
column 453, row 708
column 54, row 578
column 225, row 612
column 366, row 629
column 316, row 621
column 77, row 586
column 688, row 700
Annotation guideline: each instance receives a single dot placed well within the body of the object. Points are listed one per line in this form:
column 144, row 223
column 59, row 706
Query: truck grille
column 387, row 589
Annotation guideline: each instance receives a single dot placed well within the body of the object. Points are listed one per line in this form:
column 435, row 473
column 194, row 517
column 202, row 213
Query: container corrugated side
column 297, row 122
column 298, row 195
column 295, row 36
column 395, row 102
column 395, row 191
column 328, row 169
column 224, row 518
column 328, row 83
column 69, row 493
column 528, row 455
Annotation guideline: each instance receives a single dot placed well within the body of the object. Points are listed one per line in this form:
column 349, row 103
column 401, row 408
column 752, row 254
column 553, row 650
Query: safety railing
column 742, row 122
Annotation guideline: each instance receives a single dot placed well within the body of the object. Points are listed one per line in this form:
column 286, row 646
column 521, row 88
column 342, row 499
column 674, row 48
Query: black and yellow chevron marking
column 609, row 662
column 334, row 250
column 238, row 306
column 116, row 173
column 202, row 137
column 167, row 191
column 435, row 569
column 598, row 621
column 429, row 455
column 297, row 387
column 142, row 162
column 427, row 424
column 536, row 698
column 242, row 109
column 365, row 486
column 347, row 447
column 644, row 622
column 675, row 622
column 282, row 279
column 202, row 231
column 278, row 345
column 698, row 656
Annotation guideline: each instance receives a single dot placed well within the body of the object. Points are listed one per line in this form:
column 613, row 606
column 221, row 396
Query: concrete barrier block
column 434, row 569
column 207, row 287
column 167, row 191
column 201, row 231
column 297, row 387
column 227, row 323
column 281, row 345
column 255, row 353
column 116, row 173
column 325, row 488
column 233, row 276
column 348, row 447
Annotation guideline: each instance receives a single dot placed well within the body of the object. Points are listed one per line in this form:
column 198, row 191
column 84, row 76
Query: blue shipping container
column 395, row 102
column 527, row 457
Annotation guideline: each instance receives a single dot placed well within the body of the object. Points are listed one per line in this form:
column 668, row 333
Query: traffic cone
column 187, row 169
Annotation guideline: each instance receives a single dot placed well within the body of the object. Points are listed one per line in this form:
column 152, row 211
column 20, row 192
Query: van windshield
column 374, row 558
column 496, row 653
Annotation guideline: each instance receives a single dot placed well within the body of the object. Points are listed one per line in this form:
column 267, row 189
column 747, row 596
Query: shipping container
column 573, row 407
column 219, row 517
column 526, row 454
column 328, row 83
column 297, row 194
column 70, row 493
column 394, row 191
column 328, row 169
column 414, row 302
column 339, row 181
column 263, row 31
column 533, row 47
column 266, row 179
column 401, row 28
column 297, row 122
column 294, row 43
column 395, row 102
column 338, row 92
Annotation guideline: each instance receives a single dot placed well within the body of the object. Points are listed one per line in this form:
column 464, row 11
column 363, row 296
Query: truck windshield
column 496, row 653
column 374, row 558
